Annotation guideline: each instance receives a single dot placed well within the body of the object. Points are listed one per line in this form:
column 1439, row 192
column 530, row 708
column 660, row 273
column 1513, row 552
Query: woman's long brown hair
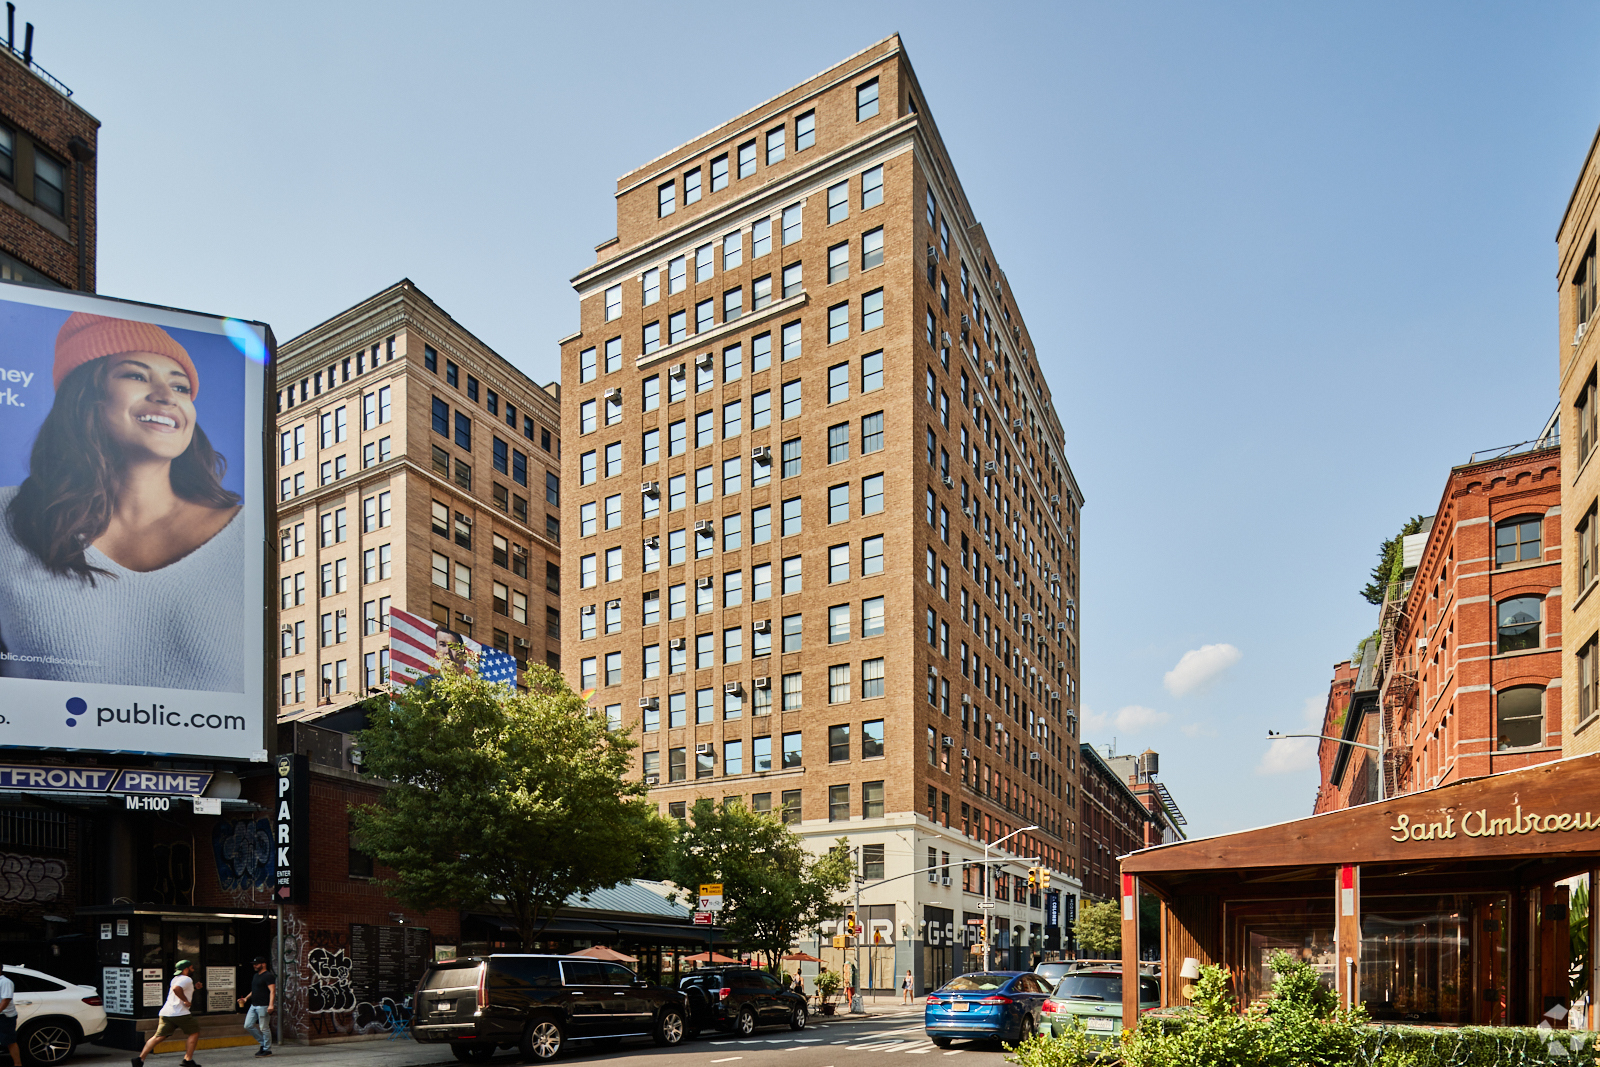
column 76, row 469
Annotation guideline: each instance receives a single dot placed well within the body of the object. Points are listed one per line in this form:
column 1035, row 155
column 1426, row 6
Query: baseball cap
column 178, row 968
column 260, row 959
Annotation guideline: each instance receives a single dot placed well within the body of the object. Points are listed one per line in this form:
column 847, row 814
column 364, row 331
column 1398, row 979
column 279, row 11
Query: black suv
column 538, row 1004
column 739, row 999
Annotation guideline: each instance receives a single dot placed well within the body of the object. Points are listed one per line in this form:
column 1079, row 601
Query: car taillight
column 483, row 985
column 934, row 998
column 1050, row 1006
column 995, row 1000
column 724, row 992
column 93, row 1002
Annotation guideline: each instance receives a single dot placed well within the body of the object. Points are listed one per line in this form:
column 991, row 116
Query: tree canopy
column 773, row 890
column 1389, row 566
column 502, row 795
column 1099, row 927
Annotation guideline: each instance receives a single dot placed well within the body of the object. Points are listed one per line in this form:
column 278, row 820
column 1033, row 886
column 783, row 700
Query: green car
column 1093, row 999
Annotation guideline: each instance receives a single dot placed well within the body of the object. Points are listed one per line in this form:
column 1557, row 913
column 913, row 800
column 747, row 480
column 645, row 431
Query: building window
column 872, row 187
column 839, row 693
column 839, row 442
column 747, row 159
column 1588, row 673
column 872, row 249
column 838, row 263
column 1583, row 285
column 791, row 224
column 49, row 184
column 1586, row 418
column 1519, row 717
column 871, row 310
column 775, row 145
column 872, row 686
column 1588, row 560
column 805, row 131
column 1517, row 540
column 872, row 801
column 792, row 696
column 666, row 200
column 691, row 186
column 872, row 857
column 866, row 100
column 791, row 807
column 838, row 803
column 1519, row 623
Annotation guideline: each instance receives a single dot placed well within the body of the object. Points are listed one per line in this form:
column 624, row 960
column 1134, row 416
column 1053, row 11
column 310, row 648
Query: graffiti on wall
column 30, row 879
column 243, row 852
column 319, row 998
column 330, row 989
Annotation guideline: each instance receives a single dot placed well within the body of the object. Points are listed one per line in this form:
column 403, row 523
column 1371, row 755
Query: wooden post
column 1130, row 952
column 1347, row 935
column 1594, row 968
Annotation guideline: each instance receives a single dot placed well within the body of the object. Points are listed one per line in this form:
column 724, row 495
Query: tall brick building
column 417, row 469
column 47, row 176
column 1116, row 821
column 825, row 532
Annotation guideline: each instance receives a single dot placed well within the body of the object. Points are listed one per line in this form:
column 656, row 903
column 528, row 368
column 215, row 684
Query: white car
column 53, row 1017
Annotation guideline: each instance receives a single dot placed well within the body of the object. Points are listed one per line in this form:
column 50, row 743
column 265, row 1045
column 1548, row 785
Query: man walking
column 263, row 998
column 176, row 1014
column 8, row 1018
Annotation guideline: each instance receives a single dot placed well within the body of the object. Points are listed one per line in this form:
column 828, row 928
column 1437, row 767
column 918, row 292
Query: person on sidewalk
column 263, row 998
column 8, row 1018
column 905, row 987
column 176, row 1014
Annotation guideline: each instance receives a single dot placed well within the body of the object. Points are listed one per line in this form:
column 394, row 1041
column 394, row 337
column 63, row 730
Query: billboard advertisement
column 132, row 527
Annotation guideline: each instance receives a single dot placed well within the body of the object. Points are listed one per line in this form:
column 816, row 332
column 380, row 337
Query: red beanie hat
column 85, row 337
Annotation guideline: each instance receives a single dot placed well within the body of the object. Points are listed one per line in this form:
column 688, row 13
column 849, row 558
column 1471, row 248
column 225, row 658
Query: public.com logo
column 151, row 715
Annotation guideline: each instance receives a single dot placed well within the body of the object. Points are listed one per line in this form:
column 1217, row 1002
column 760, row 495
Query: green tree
column 499, row 794
column 1390, row 563
column 1099, row 928
column 772, row 888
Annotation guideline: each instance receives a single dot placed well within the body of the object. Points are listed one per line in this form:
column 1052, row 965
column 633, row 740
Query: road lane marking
column 955, row 1052
column 728, row 1059
column 920, row 1051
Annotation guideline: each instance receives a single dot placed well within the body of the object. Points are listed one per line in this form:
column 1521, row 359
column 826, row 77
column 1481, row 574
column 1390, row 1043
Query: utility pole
column 855, row 999
column 988, row 889
column 1273, row 735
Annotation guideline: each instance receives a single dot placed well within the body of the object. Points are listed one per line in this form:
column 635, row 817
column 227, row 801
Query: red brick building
column 1344, row 717
column 1467, row 678
column 1114, row 823
column 47, row 175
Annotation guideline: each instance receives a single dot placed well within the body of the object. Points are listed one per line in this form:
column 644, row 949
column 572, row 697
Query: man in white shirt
column 176, row 1014
column 8, row 1018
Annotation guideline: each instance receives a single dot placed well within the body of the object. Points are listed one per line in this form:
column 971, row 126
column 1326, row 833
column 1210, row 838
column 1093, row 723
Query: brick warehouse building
column 1467, row 675
column 417, row 469
column 47, row 176
column 799, row 331
column 1116, row 821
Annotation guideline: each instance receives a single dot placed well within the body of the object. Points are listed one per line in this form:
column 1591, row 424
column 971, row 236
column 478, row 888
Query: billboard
column 133, row 519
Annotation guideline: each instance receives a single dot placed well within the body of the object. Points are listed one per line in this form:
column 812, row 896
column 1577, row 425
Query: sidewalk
column 376, row 1052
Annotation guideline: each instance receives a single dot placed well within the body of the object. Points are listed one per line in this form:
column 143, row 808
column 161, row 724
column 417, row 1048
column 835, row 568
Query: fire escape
column 1397, row 691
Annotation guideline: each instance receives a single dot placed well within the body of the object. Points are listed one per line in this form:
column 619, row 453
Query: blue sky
column 1284, row 264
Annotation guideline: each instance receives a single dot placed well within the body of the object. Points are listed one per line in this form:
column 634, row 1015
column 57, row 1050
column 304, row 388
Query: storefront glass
column 1435, row 959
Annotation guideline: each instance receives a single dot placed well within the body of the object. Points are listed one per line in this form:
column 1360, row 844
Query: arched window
column 1519, row 717
column 1517, row 540
column 1519, row 623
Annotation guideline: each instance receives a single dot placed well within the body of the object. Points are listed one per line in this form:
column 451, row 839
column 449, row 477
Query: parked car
column 1093, row 999
column 739, row 999
column 987, row 1005
column 540, row 1003
column 1054, row 971
column 53, row 1017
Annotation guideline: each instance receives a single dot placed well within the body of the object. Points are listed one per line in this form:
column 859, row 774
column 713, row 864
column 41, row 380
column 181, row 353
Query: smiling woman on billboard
column 120, row 560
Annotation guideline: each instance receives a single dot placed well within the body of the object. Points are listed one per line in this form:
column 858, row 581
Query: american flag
column 415, row 645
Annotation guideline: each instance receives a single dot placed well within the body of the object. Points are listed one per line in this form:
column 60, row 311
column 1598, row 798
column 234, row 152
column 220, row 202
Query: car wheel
column 47, row 1042
column 797, row 1018
column 542, row 1040
column 473, row 1053
column 747, row 1023
column 941, row 1042
column 670, row 1028
column 1025, row 1029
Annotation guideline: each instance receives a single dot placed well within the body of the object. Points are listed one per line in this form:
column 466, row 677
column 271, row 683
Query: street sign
column 711, row 896
column 703, row 918
column 974, row 922
column 985, row 903
column 711, row 889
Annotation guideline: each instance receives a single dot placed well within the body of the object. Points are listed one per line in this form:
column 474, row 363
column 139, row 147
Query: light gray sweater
column 179, row 627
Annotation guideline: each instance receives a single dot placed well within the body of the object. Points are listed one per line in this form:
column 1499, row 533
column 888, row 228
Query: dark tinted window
column 582, row 972
column 523, row 971
column 616, row 974
column 977, row 983
column 769, row 983
column 451, row 977
column 30, row 983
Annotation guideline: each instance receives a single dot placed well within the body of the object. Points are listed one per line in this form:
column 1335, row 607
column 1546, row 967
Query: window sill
column 1585, row 724
column 1523, row 565
column 1585, row 594
column 1522, row 652
column 720, row 331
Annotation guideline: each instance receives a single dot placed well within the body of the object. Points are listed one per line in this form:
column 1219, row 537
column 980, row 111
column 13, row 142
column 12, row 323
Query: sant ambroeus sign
column 1488, row 822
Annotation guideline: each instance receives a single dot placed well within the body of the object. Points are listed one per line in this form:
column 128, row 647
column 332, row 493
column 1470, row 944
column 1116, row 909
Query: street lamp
column 988, row 887
column 1273, row 735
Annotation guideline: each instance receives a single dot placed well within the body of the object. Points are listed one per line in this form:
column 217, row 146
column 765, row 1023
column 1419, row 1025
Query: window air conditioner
column 704, row 748
column 761, row 453
column 949, row 483
column 464, row 618
column 988, row 468
column 650, row 488
column 733, row 688
column 988, row 365
column 1055, row 498
column 966, row 698
column 588, row 609
column 702, row 526
column 518, row 550
column 1061, row 626
column 949, row 742
column 944, row 879
column 1033, row 757
column 678, row 370
column 762, row 626
column 1016, row 424
column 933, row 254
column 676, row 644
column 965, row 322
column 996, row 286
column 703, row 361
column 965, row 752
column 933, row 672
column 944, row 337
column 650, row 703
column 653, row 541
column 1027, row 616
column 703, row 583
column 763, row 682
column 614, row 393
column 652, row 779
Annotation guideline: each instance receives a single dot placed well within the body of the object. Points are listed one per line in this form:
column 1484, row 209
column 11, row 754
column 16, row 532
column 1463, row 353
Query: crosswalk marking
column 955, row 1052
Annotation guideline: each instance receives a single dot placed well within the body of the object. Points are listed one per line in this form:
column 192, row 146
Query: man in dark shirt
column 263, row 1000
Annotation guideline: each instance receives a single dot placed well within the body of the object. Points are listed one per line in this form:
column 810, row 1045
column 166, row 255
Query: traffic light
column 1044, row 877
column 850, row 924
column 1033, row 879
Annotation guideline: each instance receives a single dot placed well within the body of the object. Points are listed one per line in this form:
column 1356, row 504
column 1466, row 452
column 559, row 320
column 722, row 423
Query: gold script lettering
column 1498, row 827
column 1401, row 828
column 1483, row 821
column 1563, row 822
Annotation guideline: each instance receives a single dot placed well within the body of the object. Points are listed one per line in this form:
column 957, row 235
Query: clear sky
column 1283, row 263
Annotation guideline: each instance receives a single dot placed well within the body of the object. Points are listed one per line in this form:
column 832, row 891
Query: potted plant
column 828, row 983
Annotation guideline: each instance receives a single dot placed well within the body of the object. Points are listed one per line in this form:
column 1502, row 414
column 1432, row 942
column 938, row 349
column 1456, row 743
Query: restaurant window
column 1519, row 623
column 1519, row 717
column 1517, row 541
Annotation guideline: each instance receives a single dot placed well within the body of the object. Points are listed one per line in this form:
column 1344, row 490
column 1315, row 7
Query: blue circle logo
column 75, row 707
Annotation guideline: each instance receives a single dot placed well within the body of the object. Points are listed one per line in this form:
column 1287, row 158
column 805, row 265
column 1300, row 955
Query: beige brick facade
column 361, row 389
column 914, row 484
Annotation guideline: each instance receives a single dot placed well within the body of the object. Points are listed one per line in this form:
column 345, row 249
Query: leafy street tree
column 772, row 889
column 1389, row 566
column 1099, row 928
column 502, row 794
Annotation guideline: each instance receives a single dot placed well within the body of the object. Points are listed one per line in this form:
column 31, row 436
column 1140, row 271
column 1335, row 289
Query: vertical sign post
column 1347, row 934
column 1130, row 952
column 292, row 829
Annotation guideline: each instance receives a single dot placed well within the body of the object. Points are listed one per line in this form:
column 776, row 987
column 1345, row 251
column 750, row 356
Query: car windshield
column 977, row 983
column 1107, row 987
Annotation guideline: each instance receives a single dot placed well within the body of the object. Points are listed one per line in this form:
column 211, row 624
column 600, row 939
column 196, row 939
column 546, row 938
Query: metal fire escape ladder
column 1397, row 690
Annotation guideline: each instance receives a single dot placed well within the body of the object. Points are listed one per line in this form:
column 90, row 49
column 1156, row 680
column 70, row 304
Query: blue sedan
column 986, row 1005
